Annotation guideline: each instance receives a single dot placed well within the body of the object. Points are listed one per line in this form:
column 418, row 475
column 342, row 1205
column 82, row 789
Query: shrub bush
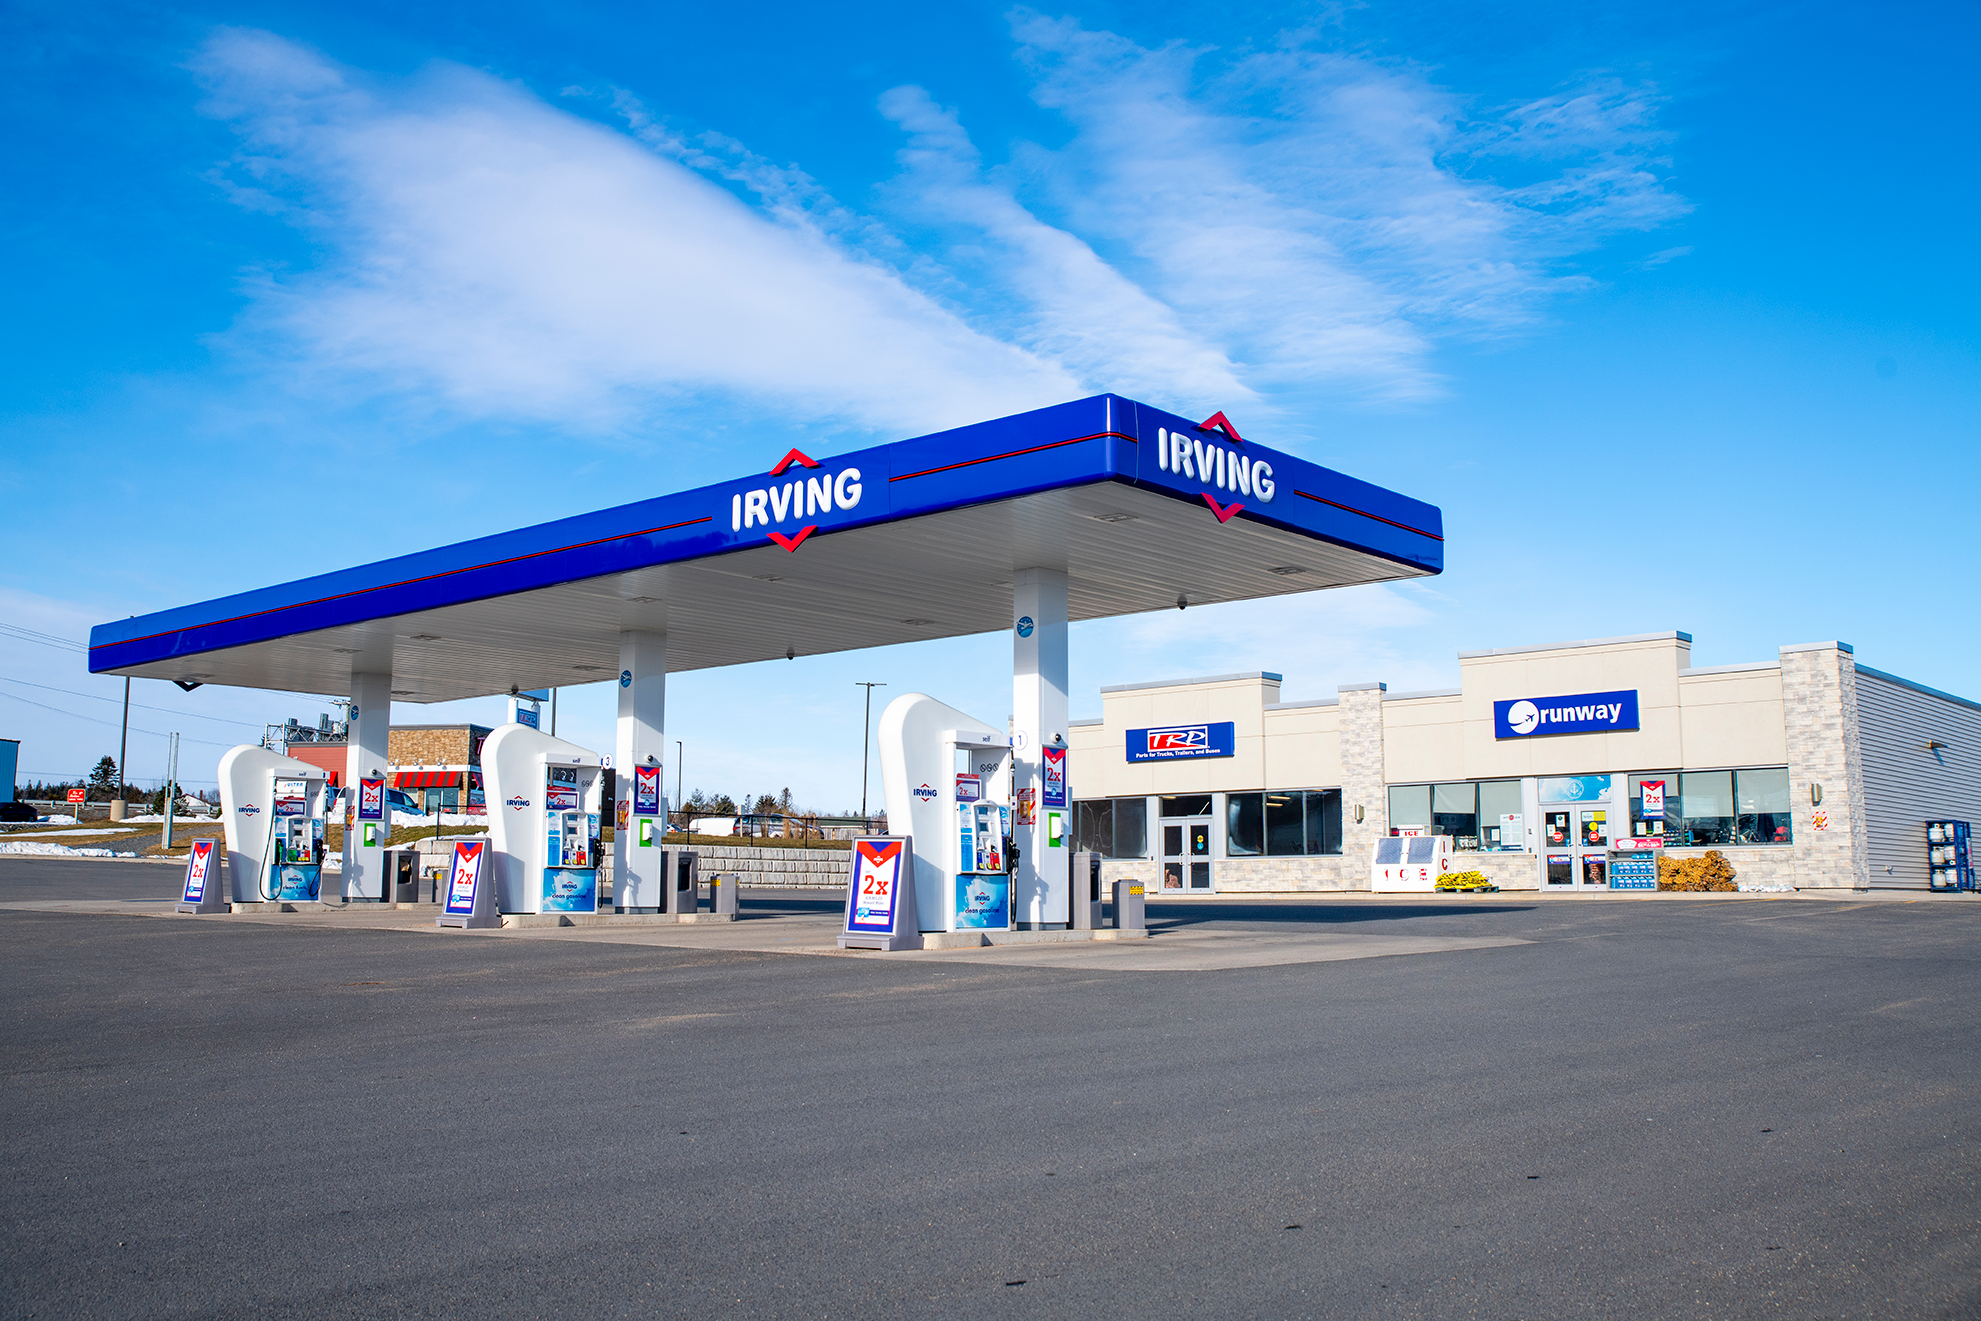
column 1712, row 872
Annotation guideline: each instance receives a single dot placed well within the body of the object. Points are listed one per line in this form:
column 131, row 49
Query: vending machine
column 275, row 808
column 543, row 821
column 946, row 777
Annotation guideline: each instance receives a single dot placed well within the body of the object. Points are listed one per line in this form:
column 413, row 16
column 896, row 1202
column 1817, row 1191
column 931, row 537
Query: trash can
column 1086, row 900
column 685, row 895
column 722, row 894
column 402, row 876
column 1128, row 914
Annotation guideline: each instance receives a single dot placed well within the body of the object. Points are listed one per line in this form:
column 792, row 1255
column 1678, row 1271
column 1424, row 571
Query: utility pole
column 553, row 713
column 679, row 806
column 123, row 748
column 171, row 787
column 866, row 738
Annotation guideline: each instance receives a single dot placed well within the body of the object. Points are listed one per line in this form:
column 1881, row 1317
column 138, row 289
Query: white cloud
column 507, row 257
column 1316, row 639
column 1325, row 216
column 1069, row 304
column 1222, row 229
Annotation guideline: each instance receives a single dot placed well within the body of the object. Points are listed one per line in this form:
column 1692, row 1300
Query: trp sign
column 1182, row 742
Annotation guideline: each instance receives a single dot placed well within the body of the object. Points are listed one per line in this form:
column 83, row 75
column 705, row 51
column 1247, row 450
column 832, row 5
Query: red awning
column 426, row 780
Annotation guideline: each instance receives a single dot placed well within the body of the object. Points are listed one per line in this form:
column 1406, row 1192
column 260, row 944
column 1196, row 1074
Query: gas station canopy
column 901, row 542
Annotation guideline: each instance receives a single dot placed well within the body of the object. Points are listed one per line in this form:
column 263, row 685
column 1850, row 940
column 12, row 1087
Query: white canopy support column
column 368, row 740
column 638, row 849
column 1039, row 891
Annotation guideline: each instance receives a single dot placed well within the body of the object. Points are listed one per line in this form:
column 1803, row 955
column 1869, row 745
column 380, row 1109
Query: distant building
column 438, row 765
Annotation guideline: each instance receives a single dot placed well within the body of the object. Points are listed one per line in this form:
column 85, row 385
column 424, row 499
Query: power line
column 45, row 639
column 226, row 720
column 76, row 715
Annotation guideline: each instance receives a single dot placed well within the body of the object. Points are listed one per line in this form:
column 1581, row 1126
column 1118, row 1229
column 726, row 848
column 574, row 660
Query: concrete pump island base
column 1090, row 509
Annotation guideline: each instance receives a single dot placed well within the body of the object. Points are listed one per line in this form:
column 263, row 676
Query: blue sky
column 1668, row 307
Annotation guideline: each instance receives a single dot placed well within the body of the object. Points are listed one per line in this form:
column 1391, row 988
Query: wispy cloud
column 508, row 257
column 1321, row 216
column 1217, row 228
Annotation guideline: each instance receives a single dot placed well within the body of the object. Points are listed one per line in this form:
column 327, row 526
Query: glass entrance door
column 1575, row 842
column 1186, row 856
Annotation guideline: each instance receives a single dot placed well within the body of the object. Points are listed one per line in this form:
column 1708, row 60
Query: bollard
column 1128, row 915
column 722, row 894
column 684, row 867
column 1086, row 901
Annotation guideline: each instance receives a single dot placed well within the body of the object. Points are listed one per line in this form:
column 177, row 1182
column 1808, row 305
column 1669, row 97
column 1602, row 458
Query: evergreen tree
column 103, row 778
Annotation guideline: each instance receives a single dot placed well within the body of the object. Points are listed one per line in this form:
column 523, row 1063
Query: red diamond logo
column 805, row 461
column 1215, row 422
column 1223, row 512
column 792, row 543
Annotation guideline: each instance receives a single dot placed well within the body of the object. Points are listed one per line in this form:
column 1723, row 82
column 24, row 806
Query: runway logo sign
column 1573, row 713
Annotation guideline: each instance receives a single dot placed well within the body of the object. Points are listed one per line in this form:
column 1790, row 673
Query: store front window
column 1477, row 814
column 1283, row 823
column 1706, row 799
column 1112, row 827
column 1704, row 809
column 1762, row 799
column 1187, row 805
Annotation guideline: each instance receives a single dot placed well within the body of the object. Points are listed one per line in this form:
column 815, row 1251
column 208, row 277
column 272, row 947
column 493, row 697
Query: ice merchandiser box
column 543, row 821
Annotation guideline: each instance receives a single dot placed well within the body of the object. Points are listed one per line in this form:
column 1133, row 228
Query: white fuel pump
column 275, row 808
column 543, row 821
column 946, row 778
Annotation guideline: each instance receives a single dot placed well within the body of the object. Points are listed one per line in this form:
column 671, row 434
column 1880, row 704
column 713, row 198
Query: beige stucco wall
column 1423, row 738
column 1732, row 719
column 1650, row 665
column 1241, row 699
column 1303, row 747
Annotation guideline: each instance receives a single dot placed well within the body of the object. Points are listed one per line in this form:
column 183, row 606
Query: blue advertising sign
column 1574, row 788
column 1055, row 778
column 1176, row 742
column 570, row 890
column 1573, row 713
column 199, row 871
column 983, row 901
column 465, row 878
column 646, row 791
column 876, row 887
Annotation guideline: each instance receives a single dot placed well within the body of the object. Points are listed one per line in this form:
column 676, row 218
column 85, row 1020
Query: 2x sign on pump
column 801, row 498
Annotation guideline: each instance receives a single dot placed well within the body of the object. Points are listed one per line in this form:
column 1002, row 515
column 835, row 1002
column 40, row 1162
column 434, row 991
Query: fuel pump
column 543, row 819
column 276, row 808
column 946, row 777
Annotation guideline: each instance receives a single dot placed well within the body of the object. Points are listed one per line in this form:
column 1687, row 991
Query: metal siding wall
column 1904, row 784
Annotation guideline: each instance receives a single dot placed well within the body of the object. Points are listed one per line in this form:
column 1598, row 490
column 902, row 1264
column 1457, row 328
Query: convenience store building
column 1807, row 770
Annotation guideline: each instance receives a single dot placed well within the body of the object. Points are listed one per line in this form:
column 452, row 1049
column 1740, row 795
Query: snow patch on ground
column 41, row 850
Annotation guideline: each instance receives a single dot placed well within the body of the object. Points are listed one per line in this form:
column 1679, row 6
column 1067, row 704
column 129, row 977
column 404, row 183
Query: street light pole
column 866, row 738
column 678, row 805
column 124, row 744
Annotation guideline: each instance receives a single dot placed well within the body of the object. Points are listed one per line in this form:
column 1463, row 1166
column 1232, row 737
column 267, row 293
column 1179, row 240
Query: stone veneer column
column 1819, row 709
column 1363, row 779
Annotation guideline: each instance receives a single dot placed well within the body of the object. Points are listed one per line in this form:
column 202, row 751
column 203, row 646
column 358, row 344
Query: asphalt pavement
column 1748, row 1108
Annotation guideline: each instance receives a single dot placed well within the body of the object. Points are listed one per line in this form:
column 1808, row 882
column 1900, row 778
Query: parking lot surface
column 1495, row 1107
